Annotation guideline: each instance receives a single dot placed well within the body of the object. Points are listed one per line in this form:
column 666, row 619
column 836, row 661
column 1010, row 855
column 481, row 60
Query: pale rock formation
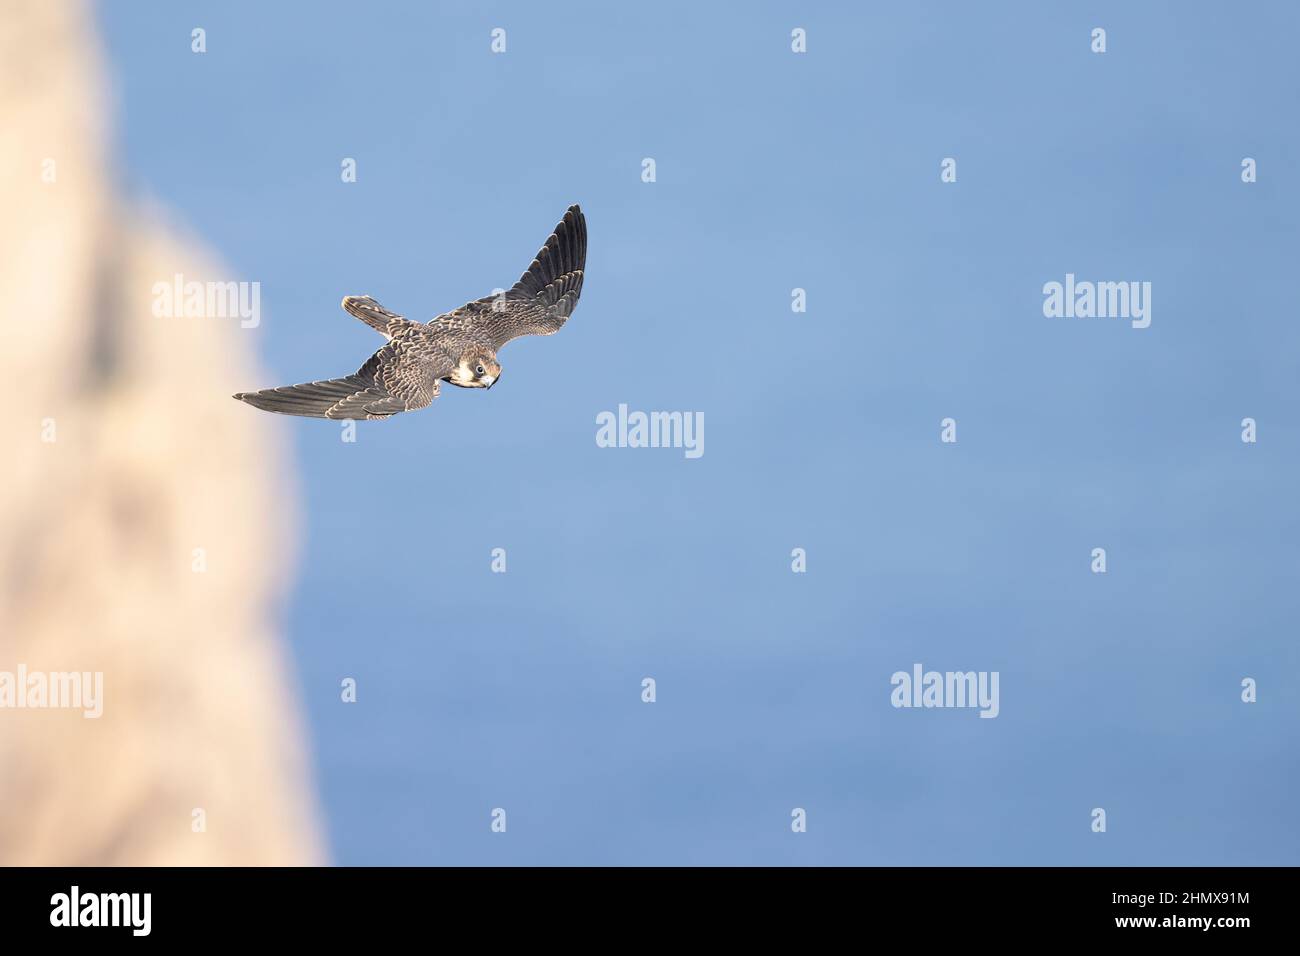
column 150, row 460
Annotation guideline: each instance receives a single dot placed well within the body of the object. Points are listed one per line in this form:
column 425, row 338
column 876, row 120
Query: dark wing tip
column 576, row 253
column 563, row 253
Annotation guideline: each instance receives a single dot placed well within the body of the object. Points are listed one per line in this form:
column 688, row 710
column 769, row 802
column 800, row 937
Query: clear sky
column 775, row 171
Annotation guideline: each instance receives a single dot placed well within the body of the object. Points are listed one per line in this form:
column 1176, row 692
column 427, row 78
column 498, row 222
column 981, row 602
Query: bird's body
column 459, row 347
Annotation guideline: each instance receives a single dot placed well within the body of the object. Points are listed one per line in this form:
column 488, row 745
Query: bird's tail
column 336, row 398
column 555, row 277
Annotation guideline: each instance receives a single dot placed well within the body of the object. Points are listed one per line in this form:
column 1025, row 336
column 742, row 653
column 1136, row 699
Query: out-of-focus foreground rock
column 142, row 511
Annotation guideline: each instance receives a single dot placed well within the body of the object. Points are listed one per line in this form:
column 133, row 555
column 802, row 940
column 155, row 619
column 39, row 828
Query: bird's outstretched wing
column 393, row 380
column 543, row 298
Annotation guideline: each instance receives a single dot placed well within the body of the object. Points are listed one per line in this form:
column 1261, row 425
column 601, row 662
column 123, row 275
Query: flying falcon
column 458, row 347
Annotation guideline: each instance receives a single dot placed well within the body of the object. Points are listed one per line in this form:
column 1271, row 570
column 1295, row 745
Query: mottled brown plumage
column 458, row 346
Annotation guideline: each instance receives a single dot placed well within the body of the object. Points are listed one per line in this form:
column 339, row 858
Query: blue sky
column 775, row 170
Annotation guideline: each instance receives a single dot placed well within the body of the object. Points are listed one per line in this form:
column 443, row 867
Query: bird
column 459, row 346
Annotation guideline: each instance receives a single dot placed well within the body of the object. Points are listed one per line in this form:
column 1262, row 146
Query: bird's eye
column 478, row 370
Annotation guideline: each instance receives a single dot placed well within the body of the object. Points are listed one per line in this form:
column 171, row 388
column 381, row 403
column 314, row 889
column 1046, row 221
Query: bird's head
column 477, row 368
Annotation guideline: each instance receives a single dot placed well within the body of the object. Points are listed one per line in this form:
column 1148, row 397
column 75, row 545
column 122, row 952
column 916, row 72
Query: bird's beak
column 491, row 380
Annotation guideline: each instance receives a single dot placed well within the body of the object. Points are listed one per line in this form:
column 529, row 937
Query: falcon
column 459, row 347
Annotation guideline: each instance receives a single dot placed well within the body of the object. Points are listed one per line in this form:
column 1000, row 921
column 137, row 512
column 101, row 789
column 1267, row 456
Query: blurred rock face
column 142, row 513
